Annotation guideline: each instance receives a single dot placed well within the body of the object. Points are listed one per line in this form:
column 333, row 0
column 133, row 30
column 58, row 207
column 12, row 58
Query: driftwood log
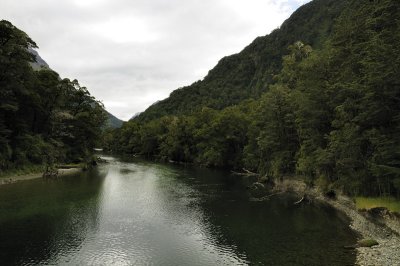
column 299, row 201
column 245, row 173
column 305, row 198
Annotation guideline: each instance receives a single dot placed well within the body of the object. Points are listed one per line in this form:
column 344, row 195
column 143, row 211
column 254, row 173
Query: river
column 134, row 212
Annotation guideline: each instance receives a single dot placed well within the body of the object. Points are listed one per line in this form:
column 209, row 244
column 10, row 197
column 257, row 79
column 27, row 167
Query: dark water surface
column 141, row 213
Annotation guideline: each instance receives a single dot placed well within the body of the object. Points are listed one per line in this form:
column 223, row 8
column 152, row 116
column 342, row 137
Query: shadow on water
column 40, row 219
column 273, row 232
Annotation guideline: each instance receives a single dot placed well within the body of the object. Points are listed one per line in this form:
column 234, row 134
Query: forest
column 318, row 98
column 44, row 119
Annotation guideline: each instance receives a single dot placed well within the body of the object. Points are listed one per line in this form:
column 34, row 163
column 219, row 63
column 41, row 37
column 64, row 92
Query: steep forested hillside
column 330, row 115
column 43, row 119
column 40, row 64
column 247, row 74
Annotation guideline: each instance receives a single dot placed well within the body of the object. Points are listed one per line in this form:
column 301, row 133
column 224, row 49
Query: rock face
column 40, row 63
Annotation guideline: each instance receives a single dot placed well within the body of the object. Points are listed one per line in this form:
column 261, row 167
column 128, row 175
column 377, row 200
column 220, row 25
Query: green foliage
column 367, row 203
column 276, row 138
column 43, row 119
column 330, row 113
column 178, row 143
column 207, row 138
column 220, row 141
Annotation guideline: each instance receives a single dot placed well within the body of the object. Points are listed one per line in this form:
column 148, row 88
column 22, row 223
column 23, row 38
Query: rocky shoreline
column 378, row 224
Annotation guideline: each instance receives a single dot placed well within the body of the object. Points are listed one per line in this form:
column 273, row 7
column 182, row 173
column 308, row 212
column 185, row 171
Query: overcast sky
column 131, row 53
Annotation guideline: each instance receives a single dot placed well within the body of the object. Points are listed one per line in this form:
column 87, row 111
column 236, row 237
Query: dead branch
column 299, row 201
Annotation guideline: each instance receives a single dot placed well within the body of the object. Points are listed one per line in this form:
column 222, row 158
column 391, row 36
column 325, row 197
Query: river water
column 133, row 212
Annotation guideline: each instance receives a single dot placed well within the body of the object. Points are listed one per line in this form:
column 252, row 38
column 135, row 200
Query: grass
column 367, row 243
column 390, row 203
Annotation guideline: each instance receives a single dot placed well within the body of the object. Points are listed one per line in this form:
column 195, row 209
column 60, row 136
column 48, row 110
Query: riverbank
column 9, row 179
column 384, row 227
column 378, row 224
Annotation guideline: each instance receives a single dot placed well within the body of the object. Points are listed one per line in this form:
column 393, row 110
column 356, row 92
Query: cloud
column 131, row 53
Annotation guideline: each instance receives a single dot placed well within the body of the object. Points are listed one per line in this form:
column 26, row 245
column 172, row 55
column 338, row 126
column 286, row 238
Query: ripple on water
column 150, row 214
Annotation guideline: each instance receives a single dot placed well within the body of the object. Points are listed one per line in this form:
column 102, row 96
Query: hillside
column 247, row 74
column 40, row 64
column 331, row 114
column 113, row 121
column 44, row 119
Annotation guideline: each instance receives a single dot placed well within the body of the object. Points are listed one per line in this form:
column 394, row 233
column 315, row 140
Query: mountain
column 40, row 63
column 113, row 121
column 247, row 74
column 135, row 115
column 330, row 115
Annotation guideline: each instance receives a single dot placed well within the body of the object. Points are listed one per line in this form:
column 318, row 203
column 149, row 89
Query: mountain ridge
column 247, row 74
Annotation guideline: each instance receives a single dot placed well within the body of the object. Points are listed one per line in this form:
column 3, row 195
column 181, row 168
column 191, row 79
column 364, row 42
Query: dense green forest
column 317, row 98
column 43, row 119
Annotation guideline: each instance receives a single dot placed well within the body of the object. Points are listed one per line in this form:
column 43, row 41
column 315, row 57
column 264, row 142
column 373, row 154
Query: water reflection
column 140, row 213
column 275, row 232
column 42, row 221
